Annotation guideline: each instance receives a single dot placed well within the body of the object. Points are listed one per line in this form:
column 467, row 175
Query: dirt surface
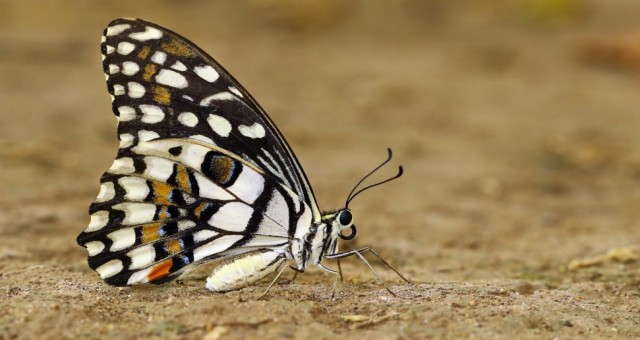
column 517, row 123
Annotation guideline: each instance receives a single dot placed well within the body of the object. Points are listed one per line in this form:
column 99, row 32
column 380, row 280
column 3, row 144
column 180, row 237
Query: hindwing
column 167, row 205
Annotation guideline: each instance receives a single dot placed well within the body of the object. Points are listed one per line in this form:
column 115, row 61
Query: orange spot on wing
column 163, row 214
column 144, row 52
column 178, row 48
column 198, row 210
column 173, row 246
column 149, row 71
column 160, row 270
column 161, row 193
column 161, row 95
column 150, row 232
column 222, row 169
column 182, row 178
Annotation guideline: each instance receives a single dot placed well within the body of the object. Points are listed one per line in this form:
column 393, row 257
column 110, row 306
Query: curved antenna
column 367, row 176
column 400, row 171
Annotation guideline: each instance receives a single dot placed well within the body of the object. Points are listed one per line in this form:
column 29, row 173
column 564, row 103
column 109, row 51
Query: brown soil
column 517, row 123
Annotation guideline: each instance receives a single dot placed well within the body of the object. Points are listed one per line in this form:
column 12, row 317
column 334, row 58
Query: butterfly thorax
column 322, row 238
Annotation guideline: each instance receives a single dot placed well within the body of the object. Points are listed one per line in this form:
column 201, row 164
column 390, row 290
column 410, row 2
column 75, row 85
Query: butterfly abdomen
column 244, row 270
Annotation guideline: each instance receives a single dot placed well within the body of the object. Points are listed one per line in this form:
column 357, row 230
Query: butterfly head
column 341, row 222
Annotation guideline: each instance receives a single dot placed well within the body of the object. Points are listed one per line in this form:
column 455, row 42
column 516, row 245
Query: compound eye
column 345, row 218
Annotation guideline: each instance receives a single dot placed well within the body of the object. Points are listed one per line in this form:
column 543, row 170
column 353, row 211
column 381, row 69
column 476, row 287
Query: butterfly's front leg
column 244, row 270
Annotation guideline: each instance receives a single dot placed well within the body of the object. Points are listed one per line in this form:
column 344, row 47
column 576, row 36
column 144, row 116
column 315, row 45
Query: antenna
column 352, row 195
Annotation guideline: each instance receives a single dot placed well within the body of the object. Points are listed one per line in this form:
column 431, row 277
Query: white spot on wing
column 178, row 66
column 193, row 155
column 107, row 192
column 94, row 247
column 188, row 119
column 127, row 113
column 125, row 48
column 148, row 34
column 219, row 125
column 130, row 68
column 233, row 216
column 207, row 73
column 139, row 276
column 218, row 96
column 158, row 168
column 110, row 269
column 171, row 78
column 159, row 57
column 126, row 140
column 122, row 239
column 117, row 29
column 99, row 219
column 151, row 114
column 203, row 235
column 215, row 246
column 118, row 90
column 142, row 257
column 146, row 135
column 185, row 224
column 122, row 166
column 254, row 131
column 135, row 90
column 110, row 49
column 202, row 139
column 136, row 213
column 136, row 188
column 113, row 69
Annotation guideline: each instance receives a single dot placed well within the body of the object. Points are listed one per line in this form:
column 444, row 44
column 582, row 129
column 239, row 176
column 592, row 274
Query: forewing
column 164, row 86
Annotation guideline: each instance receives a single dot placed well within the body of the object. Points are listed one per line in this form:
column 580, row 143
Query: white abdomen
column 244, row 270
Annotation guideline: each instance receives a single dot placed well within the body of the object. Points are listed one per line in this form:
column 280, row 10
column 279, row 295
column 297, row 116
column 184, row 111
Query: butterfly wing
column 150, row 67
column 201, row 170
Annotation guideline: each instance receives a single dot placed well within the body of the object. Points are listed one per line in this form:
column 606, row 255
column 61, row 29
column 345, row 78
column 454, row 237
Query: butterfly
column 201, row 174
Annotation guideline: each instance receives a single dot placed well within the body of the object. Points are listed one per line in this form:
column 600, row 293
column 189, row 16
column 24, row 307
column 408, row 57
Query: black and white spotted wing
column 150, row 65
column 201, row 170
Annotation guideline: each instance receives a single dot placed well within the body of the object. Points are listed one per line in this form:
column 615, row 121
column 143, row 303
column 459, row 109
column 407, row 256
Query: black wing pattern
column 201, row 171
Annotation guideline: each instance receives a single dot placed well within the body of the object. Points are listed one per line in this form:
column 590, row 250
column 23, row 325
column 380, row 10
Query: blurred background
column 516, row 121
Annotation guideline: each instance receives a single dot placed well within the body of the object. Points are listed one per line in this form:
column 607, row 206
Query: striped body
column 201, row 172
column 244, row 270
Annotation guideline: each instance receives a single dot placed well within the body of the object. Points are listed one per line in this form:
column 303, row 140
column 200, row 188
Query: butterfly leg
column 272, row 282
column 339, row 270
column 358, row 252
column 335, row 282
column 295, row 272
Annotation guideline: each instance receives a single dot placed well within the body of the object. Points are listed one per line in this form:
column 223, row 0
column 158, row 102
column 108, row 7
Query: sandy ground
column 517, row 123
